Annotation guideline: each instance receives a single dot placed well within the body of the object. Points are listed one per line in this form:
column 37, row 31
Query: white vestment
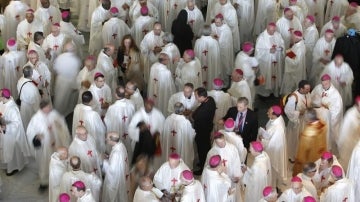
column 134, row 11
column 53, row 133
column 257, row 177
column 97, row 18
column 230, row 18
column 342, row 78
column 30, row 100
column 123, row 13
column 308, row 185
column 289, row 195
column 169, row 178
column 100, row 95
column 178, row 136
column 141, row 27
column 41, row 76
column 160, row 86
column 354, row 168
column 69, row 30
column 47, row 17
column 349, row 135
column 105, row 65
column 190, row 72
column 83, row 22
column 189, row 103
column 294, row 69
column 223, row 102
column 13, row 143
column 311, row 35
column 322, row 50
column 341, row 190
column 40, row 51
column 171, row 9
column 322, row 179
column 237, row 141
column 247, row 64
column 25, row 32
column 87, row 197
column 352, row 21
column 246, row 19
column 207, row 49
column 286, row 28
column 14, row 13
column 91, row 181
column 66, row 66
column 54, row 44
column 266, row 13
column 117, row 119
column 335, row 8
column 225, row 40
column 88, row 154
column 274, row 141
column 195, row 20
column 270, row 64
column 116, row 183
column 137, row 99
column 317, row 9
column 114, row 30
column 84, row 75
column 331, row 102
column 216, row 185
column 57, row 168
column 240, row 89
column 210, row 7
column 337, row 32
column 294, row 109
column 147, row 45
column 148, row 196
column 193, row 192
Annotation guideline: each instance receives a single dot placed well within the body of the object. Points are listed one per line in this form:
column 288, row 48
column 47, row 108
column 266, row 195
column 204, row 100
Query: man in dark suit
column 246, row 122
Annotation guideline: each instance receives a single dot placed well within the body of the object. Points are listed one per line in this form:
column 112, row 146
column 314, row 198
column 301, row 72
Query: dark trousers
column 203, row 145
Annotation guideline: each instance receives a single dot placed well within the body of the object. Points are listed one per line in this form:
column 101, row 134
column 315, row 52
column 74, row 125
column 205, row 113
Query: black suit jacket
column 251, row 125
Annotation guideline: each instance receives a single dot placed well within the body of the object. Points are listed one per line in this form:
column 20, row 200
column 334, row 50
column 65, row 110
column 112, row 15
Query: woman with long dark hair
column 182, row 32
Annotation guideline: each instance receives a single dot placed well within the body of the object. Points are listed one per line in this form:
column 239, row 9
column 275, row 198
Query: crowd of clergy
column 161, row 107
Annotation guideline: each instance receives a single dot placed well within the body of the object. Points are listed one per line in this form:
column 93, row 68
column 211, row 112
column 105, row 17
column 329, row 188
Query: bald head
column 109, row 49
column 81, row 133
column 146, row 183
column 112, row 138
column 63, row 153
column 75, row 162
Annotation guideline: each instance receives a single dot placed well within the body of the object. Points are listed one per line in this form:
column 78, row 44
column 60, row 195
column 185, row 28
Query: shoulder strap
column 22, row 87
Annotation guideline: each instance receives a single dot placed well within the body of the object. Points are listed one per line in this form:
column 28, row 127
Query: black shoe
column 279, row 192
column 292, row 161
column 12, row 173
column 198, row 172
column 43, row 188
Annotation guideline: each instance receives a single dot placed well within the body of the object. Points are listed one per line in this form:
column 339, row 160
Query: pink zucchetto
column 64, row 197
column 336, row 171
column 298, row 33
column 32, row 51
column 174, row 156
column 65, row 14
column 214, row 161
column 287, row 9
column 325, row 77
column 296, row 179
column 273, row 24
column 239, row 71
column 217, row 135
column 56, row 24
column 98, row 74
column 5, row 93
column 229, row 124
column 29, row 11
column 357, row 99
column 144, row 10
column 219, row 16
column 247, row 47
column 336, row 18
column 91, row 57
column 11, row 42
column 187, row 175
column 309, row 199
column 327, row 155
column 329, row 31
column 218, row 83
column 257, row 146
column 311, row 18
column 353, row 4
column 190, row 53
column 78, row 184
column 267, row 191
column 114, row 10
column 277, row 110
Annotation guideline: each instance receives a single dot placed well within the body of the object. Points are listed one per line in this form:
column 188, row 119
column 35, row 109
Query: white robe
column 47, row 17
column 216, row 185
column 237, row 141
column 270, row 64
column 317, row 9
column 41, row 76
column 295, row 68
column 190, row 72
column 69, row 30
column 246, row 18
column 330, row 100
column 341, row 190
column 114, row 30
column 97, row 18
column 137, row 99
column 123, row 13
column 240, row 89
column 40, row 51
column 87, row 197
column 210, row 7
column 66, row 66
column 223, row 102
column 14, row 13
column 174, row 56
column 335, row 8
column 100, row 95
column 148, row 196
column 207, row 49
column 339, row 75
column 266, row 13
column 189, row 103
column 25, row 32
column 257, row 177
column 337, row 32
column 286, row 27
column 55, row 133
column 178, row 136
column 88, row 154
column 141, row 27
column 230, row 18
column 118, row 118
column 353, row 169
column 160, row 86
column 134, row 11
column 93, row 5
column 193, row 192
column 168, row 178
column 54, row 44
column 116, row 183
column 311, row 35
column 289, row 195
column 226, row 43
column 349, row 135
column 309, row 185
column 246, row 63
column 84, row 75
column 57, row 168
column 15, row 149
column 147, row 45
column 91, row 181
column 105, row 65
column 322, row 50
column 352, row 21
column 295, row 126
column 323, row 179
column 11, row 70
column 30, row 100
column 83, row 22
column 171, row 9
column 195, row 20
column 274, row 141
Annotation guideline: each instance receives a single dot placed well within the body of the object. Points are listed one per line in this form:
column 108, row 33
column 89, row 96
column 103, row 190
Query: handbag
column 18, row 100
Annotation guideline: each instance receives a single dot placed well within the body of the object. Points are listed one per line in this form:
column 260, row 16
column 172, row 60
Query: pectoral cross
column 326, row 52
column 124, row 118
column 205, row 52
column 29, row 34
column 114, row 35
column 125, row 135
column 81, row 122
column 174, row 181
column 56, row 47
column 89, row 153
column 173, row 132
column 172, row 149
column 322, row 178
column 224, row 162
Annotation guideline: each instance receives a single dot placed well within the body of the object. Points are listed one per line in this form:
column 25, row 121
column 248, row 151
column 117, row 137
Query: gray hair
column 179, row 108
column 27, row 71
column 206, row 30
column 168, row 37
